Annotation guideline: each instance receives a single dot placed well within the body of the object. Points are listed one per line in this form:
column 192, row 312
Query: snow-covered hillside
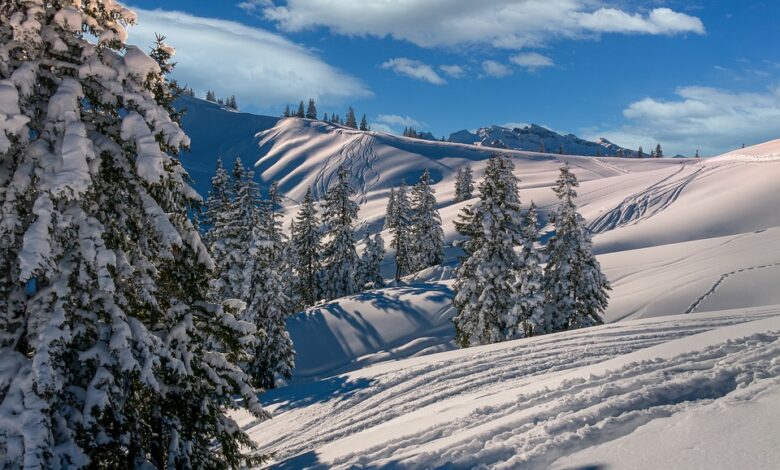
column 691, row 248
column 548, row 401
column 536, row 138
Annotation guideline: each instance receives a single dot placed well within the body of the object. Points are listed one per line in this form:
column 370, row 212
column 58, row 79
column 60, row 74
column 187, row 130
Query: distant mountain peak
column 536, row 138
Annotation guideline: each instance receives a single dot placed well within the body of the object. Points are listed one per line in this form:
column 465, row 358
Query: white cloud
column 495, row 69
column 253, row 6
column 261, row 68
column 515, row 125
column 531, row 61
column 393, row 123
column 511, row 24
column 712, row 120
column 454, row 70
column 659, row 21
column 414, row 69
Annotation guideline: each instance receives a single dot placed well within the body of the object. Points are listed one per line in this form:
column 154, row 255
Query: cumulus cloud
column 659, row 21
column 261, row 68
column 511, row 24
column 531, row 61
column 414, row 69
column 393, row 123
column 492, row 68
column 454, row 70
column 710, row 119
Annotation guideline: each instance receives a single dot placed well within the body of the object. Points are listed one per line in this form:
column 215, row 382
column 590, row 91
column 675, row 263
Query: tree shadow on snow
column 301, row 395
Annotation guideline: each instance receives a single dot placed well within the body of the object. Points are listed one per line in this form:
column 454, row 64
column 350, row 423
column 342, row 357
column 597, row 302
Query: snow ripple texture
column 526, row 411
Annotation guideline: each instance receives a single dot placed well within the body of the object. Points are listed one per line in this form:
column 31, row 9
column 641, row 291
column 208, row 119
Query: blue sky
column 691, row 75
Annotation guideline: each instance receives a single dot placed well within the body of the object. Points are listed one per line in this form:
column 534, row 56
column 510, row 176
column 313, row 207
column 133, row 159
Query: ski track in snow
column 721, row 280
column 576, row 414
column 646, row 203
column 652, row 200
column 358, row 156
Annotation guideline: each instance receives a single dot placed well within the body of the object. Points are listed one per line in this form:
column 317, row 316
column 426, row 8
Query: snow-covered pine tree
column 228, row 237
column 363, row 123
column 300, row 113
column 306, row 241
column 575, row 288
column 311, row 110
column 530, row 317
column 391, row 212
column 403, row 241
column 339, row 255
column 370, row 276
column 245, row 216
column 464, row 184
column 428, row 236
column 351, row 120
column 218, row 205
column 111, row 354
column 485, row 285
column 269, row 299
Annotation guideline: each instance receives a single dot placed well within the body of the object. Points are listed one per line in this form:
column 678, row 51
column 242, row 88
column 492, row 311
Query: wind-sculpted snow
column 526, row 403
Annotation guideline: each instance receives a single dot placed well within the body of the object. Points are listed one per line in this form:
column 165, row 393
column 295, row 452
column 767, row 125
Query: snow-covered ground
column 529, row 403
column 687, row 361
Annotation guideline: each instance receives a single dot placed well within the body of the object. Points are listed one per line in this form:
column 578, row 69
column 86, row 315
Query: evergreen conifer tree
column 464, row 184
column 485, row 285
column 231, row 102
column 428, row 236
column 371, row 261
column 339, row 255
column 218, row 206
column 112, row 354
column 229, row 236
column 351, row 120
column 391, row 212
column 529, row 315
column 311, row 110
column 403, row 241
column 575, row 288
column 269, row 303
column 306, row 243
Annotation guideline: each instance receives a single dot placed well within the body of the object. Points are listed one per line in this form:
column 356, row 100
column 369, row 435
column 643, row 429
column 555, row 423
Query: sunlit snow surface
column 686, row 375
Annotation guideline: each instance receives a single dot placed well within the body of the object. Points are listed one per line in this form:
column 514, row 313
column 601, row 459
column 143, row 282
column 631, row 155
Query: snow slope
column 529, row 403
column 379, row 382
column 216, row 131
